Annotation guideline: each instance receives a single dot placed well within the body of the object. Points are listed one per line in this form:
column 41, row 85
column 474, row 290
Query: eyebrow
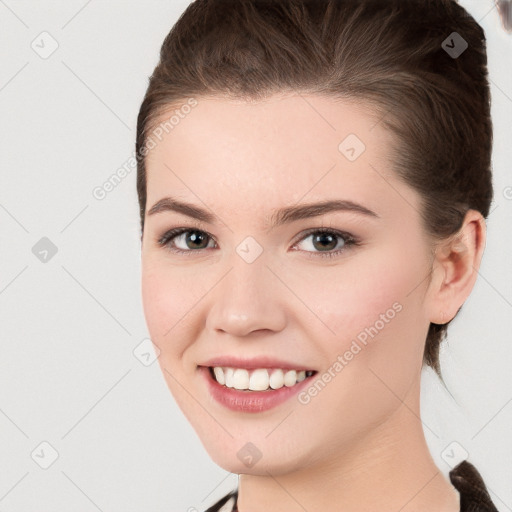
column 281, row 216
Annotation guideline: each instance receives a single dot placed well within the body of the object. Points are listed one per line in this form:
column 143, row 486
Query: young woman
column 314, row 178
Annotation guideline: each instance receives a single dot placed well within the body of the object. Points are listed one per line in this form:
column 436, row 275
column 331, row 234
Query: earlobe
column 455, row 268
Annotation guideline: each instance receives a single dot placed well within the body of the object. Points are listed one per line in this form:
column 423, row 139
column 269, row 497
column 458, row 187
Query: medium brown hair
column 391, row 54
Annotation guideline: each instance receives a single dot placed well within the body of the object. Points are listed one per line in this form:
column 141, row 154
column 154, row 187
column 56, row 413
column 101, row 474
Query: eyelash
column 349, row 240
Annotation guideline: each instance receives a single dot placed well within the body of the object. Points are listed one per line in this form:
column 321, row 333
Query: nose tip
column 244, row 324
column 246, row 300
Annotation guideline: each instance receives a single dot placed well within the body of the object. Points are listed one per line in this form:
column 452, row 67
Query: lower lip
column 250, row 401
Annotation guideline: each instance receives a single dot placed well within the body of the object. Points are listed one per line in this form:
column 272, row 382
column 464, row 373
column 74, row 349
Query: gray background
column 69, row 325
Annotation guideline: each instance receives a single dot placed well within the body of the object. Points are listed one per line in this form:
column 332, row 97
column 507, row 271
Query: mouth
column 258, row 379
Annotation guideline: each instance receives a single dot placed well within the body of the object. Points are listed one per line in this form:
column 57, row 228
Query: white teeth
column 290, row 378
column 276, row 380
column 229, row 372
column 241, row 379
column 219, row 375
column 260, row 379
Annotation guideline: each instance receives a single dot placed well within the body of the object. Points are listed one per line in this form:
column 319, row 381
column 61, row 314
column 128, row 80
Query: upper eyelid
column 339, row 232
column 301, row 236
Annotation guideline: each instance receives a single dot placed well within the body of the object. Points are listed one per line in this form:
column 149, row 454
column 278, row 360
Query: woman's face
column 246, row 286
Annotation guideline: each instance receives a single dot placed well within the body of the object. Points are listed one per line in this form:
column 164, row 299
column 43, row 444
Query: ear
column 455, row 268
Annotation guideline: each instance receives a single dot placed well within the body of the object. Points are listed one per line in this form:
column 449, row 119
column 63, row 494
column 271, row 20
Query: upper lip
column 253, row 363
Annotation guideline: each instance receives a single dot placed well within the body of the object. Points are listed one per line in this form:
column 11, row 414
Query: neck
column 389, row 468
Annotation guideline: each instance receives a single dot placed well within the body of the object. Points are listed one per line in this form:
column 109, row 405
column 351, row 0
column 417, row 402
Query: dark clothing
column 464, row 477
column 473, row 493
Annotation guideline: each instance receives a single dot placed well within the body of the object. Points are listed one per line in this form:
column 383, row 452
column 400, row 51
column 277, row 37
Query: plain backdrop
column 85, row 422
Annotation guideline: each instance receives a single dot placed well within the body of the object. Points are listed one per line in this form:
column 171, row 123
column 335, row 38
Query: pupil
column 322, row 238
column 196, row 236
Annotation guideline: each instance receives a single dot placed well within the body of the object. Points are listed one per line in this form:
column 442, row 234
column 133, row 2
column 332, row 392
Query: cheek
column 369, row 297
column 168, row 299
column 374, row 357
column 371, row 313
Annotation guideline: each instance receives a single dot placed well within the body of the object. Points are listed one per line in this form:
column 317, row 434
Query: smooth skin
column 358, row 445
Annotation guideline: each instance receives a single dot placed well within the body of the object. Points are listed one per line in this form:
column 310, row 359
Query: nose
column 248, row 298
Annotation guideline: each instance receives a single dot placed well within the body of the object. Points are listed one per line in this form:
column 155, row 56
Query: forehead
column 303, row 122
column 281, row 148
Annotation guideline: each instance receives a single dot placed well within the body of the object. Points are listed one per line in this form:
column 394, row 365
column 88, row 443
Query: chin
column 244, row 457
column 260, row 468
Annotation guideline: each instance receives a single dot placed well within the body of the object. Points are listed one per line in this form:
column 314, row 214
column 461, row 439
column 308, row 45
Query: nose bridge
column 247, row 298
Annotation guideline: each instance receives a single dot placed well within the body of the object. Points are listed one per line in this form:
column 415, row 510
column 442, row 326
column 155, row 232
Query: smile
column 275, row 386
column 259, row 379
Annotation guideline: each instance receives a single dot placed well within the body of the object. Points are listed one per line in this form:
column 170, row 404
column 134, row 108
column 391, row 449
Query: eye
column 326, row 240
column 182, row 240
column 323, row 241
